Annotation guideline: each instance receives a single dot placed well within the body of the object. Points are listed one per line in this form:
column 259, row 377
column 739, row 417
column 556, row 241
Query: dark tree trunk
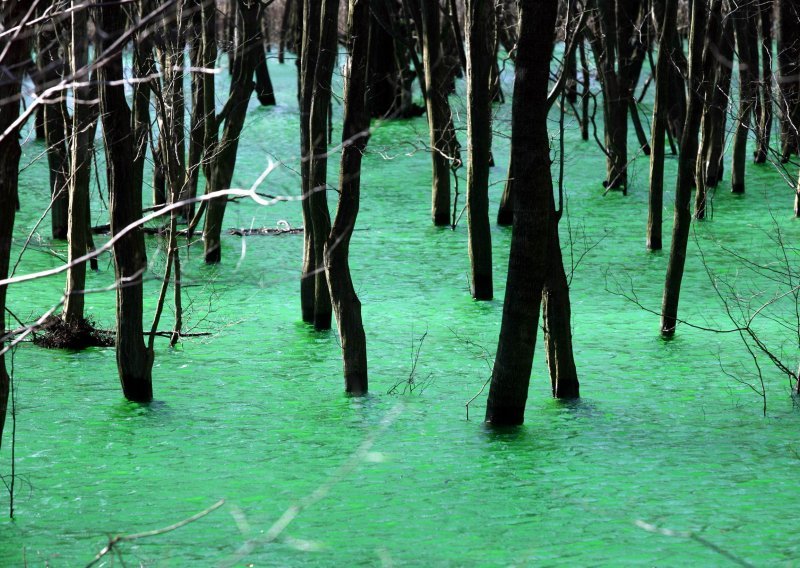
column 439, row 119
column 224, row 157
column 355, row 134
column 480, row 34
column 789, row 75
column 197, row 120
column 264, row 89
column 557, row 316
column 764, row 118
column 318, row 126
column 134, row 361
column 701, row 57
column 715, row 118
column 15, row 49
column 51, row 70
column 710, row 125
column 744, row 22
column 660, row 116
column 308, row 62
column 532, row 215
column 84, row 124
column 505, row 213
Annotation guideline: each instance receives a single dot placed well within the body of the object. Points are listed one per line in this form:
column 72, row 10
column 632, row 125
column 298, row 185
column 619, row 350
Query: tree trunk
column 765, row 12
column 789, row 75
column 308, row 62
column 557, row 316
column 84, row 124
column 51, row 68
column 318, row 122
column 533, row 190
column 355, row 134
column 744, row 26
column 197, row 120
column 714, row 121
column 224, row 157
column 479, row 23
column 438, row 112
column 700, row 68
column 264, row 90
column 134, row 361
column 15, row 49
column 660, row 116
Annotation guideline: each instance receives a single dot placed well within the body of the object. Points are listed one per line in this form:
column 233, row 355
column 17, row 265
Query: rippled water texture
column 256, row 415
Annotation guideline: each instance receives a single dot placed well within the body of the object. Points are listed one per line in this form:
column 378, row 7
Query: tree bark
column 789, row 75
column 438, row 112
column 15, row 48
column 84, row 124
column 51, row 69
column 134, row 361
column 744, row 25
column 480, row 33
column 701, row 58
column 765, row 12
column 714, row 121
column 533, row 190
column 660, row 116
column 224, row 157
column 355, row 134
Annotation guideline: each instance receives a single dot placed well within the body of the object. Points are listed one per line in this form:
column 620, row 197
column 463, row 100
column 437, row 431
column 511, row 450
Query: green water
column 255, row 414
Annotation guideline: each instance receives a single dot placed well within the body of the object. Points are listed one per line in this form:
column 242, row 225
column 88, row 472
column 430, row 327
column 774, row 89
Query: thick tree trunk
column 134, row 361
column 438, row 112
column 355, row 134
column 744, row 25
column 264, row 90
column 318, row 124
column 480, row 33
column 660, row 116
column 700, row 68
column 532, row 215
column 84, row 123
column 505, row 213
column 197, row 120
column 15, row 49
column 224, row 157
column 51, row 68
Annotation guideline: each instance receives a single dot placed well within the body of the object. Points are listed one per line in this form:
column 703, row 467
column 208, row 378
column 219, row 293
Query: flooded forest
column 399, row 282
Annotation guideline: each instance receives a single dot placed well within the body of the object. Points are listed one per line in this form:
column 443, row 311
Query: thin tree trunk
column 480, row 34
column 714, row 121
column 355, row 134
column 744, row 25
column 134, row 361
column 84, row 122
column 318, row 122
column 51, row 67
column 660, row 116
column 700, row 68
column 224, row 157
column 438, row 112
column 197, row 120
column 15, row 49
column 765, row 12
column 533, row 190
column 264, row 90
column 308, row 62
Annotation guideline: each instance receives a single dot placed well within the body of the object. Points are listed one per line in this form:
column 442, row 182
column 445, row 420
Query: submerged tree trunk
column 355, row 134
column 14, row 47
column 134, row 361
column 789, row 76
column 744, row 25
column 764, row 118
column 716, row 115
column 532, row 216
column 224, row 159
column 438, row 111
column 701, row 64
column 318, row 125
column 84, row 123
column 308, row 63
column 480, row 33
column 51, row 69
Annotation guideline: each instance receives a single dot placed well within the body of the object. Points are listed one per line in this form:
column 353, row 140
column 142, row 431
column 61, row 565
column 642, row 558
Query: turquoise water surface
column 255, row 413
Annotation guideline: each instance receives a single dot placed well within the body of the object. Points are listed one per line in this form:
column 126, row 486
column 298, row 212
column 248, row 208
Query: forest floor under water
column 667, row 459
